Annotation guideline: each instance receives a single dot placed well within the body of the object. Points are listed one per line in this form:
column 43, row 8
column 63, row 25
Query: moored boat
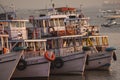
column 70, row 58
column 33, row 62
column 100, row 54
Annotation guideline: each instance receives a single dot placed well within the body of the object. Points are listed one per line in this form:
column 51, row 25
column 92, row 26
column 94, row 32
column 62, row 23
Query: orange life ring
column 49, row 57
column 5, row 50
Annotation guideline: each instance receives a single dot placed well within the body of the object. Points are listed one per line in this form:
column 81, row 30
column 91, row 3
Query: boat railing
column 67, row 50
column 30, row 54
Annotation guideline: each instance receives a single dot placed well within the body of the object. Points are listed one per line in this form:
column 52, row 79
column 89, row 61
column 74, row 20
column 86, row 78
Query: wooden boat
column 70, row 58
column 100, row 54
column 34, row 63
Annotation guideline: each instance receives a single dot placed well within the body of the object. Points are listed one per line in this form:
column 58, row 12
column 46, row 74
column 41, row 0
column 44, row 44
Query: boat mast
column 6, row 16
column 53, row 7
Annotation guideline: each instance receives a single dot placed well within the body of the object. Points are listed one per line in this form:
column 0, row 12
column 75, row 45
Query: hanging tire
column 58, row 63
column 114, row 56
column 22, row 65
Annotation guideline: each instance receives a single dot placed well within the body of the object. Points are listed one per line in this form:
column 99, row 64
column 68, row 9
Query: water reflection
column 89, row 75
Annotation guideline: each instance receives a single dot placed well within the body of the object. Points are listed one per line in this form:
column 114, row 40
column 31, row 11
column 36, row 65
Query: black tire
column 22, row 65
column 58, row 63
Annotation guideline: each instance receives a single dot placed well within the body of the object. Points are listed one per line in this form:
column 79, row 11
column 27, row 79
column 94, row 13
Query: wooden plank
column 8, row 63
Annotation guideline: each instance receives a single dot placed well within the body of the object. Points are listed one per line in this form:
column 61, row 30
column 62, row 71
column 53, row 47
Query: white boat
column 8, row 60
column 100, row 54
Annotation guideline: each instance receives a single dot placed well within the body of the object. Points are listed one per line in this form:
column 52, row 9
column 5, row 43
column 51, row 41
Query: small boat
column 100, row 54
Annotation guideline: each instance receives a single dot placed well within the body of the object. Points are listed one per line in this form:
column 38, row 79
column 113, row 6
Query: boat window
column 41, row 23
column 37, row 46
column 61, row 20
column 65, row 43
column 46, row 23
column 18, row 24
column 56, row 22
column 52, row 22
column 30, row 46
column 70, row 42
column 5, row 42
column 77, row 42
column 49, row 44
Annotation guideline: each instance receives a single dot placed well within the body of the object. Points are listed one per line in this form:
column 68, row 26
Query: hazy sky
column 41, row 4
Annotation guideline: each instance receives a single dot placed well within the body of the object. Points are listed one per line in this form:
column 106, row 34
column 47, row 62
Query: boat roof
column 15, row 20
column 95, row 36
column 64, row 9
column 52, row 16
column 29, row 40
column 85, row 18
column 69, row 36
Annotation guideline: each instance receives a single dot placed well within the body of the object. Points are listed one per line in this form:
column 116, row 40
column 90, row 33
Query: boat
column 36, row 63
column 54, row 29
column 100, row 54
column 7, row 58
column 70, row 58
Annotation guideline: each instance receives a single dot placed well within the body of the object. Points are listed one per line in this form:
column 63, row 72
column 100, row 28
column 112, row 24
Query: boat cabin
column 15, row 28
column 48, row 25
column 35, row 47
column 99, row 43
column 64, row 45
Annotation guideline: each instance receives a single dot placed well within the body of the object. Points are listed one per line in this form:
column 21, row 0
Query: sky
column 42, row 4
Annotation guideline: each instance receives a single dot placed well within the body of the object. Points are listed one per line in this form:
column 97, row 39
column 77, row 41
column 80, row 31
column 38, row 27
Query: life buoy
column 87, row 60
column 58, row 62
column 49, row 56
column 22, row 65
column 114, row 56
column 5, row 50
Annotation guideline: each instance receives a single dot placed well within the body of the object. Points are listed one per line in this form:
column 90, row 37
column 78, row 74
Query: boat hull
column 8, row 63
column 39, row 69
column 73, row 64
column 99, row 61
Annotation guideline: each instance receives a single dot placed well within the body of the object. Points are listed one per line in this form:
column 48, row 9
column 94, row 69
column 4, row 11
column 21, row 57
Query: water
column 114, row 40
